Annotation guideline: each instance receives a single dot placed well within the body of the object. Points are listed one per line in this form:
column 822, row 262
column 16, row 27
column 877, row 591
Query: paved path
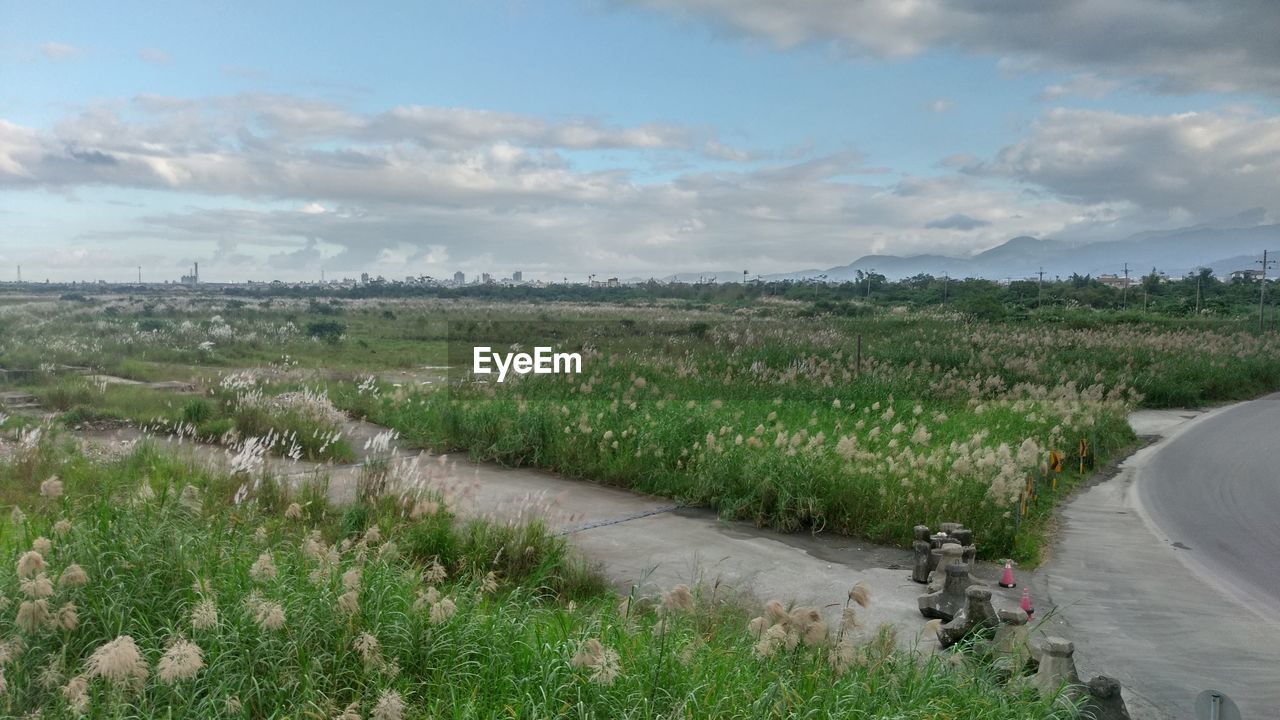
column 1214, row 491
column 649, row 542
column 1137, row 606
column 1128, row 590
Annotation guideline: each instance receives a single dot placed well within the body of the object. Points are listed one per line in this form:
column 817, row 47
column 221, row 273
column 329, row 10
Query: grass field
column 135, row 588
column 768, row 412
column 779, row 422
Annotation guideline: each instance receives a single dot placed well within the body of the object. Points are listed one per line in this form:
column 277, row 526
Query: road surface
column 1214, row 492
column 1167, row 576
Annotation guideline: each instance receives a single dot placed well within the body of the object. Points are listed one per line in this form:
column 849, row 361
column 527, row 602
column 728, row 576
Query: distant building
column 486, row 278
column 517, row 276
column 364, row 278
column 1116, row 281
column 194, row 277
column 1246, row 275
column 459, row 278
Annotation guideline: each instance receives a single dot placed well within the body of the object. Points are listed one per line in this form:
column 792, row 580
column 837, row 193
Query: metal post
column 1262, row 292
column 859, row 361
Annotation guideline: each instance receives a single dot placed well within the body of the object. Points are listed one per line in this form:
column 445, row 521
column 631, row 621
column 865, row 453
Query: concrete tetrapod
column 1012, row 639
column 1104, row 701
column 978, row 615
column 949, row 554
column 951, row 599
column 1057, row 667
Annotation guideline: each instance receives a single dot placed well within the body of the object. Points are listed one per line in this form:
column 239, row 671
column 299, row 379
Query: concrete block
column 951, row 599
column 977, row 616
column 1057, row 667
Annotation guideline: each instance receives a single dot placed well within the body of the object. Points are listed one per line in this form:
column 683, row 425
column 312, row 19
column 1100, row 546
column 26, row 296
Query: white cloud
column 310, row 185
column 59, row 51
column 155, row 56
column 1083, row 85
column 1178, row 45
column 941, row 105
column 1207, row 164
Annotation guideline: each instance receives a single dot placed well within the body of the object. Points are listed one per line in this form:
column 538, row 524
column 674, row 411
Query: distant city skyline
column 638, row 138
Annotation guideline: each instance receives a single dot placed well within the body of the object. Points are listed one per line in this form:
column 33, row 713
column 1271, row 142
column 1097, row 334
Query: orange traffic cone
column 1006, row 580
column 1026, row 602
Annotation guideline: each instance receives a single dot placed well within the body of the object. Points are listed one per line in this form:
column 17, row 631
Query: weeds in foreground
column 151, row 597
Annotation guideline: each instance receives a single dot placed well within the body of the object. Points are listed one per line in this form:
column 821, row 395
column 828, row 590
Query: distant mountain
column 1172, row 252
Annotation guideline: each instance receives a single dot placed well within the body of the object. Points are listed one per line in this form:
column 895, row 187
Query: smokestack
column 197, row 272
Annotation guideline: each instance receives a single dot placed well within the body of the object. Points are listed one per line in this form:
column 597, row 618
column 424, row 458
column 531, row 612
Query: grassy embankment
column 994, row 399
column 134, row 588
column 775, row 422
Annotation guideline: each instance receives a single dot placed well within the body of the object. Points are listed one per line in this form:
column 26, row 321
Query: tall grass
column 187, row 607
column 784, row 427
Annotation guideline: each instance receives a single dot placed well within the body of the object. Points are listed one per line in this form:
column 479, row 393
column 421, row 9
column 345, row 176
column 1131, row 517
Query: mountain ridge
column 1173, row 252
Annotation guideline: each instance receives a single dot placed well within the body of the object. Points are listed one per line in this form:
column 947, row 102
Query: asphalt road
column 1214, row 491
column 1165, row 575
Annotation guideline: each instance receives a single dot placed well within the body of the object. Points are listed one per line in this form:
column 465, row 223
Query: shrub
column 328, row 330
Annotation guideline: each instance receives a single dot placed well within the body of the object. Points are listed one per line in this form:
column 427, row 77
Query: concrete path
column 1115, row 585
column 646, row 542
column 1135, row 607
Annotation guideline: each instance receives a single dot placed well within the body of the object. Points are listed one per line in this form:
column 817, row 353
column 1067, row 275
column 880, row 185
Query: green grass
column 224, row 417
column 781, row 425
column 1054, row 377
column 508, row 651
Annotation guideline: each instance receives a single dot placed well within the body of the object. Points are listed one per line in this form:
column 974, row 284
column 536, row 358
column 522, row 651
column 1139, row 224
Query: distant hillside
column 1174, row 253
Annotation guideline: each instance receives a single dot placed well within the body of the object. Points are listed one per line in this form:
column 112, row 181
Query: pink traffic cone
column 1006, row 580
column 1026, row 602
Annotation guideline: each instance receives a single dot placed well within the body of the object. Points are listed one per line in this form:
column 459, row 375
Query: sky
column 565, row 138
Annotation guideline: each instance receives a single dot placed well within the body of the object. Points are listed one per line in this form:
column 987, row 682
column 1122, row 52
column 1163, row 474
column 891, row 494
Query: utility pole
column 1199, row 280
column 1125, row 293
column 946, row 283
column 1262, row 292
column 1040, row 288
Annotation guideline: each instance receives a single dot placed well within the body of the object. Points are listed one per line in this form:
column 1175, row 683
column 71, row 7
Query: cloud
column 155, row 56
column 1176, row 45
column 1206, row 164
column 941, row 105
column 956, row 221
column 60, row 51
column 240, row 72
column 270, row 147
column 717, row 150
column 773, row 218
column 1083, row 85
column 293, row 185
